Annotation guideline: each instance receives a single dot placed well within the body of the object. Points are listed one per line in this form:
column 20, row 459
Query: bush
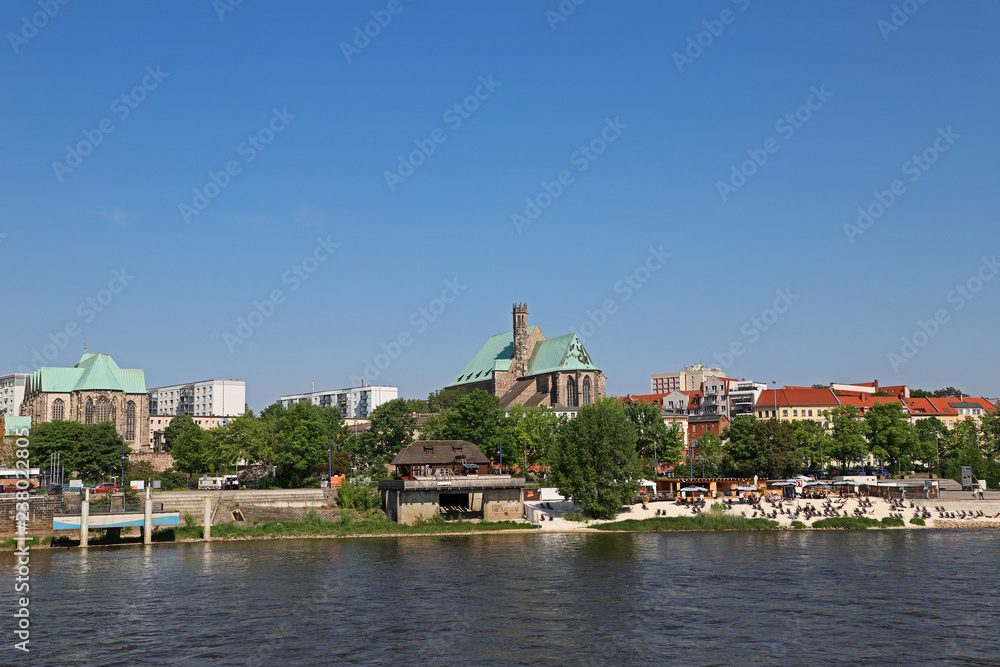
column 358, row 496
column 570, row 515
column 918, row 522
column 889, row 521
column 798, row 524
column 190, row 521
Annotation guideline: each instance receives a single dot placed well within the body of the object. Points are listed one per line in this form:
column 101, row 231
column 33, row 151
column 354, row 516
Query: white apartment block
column 12, row 393
column 353, row 402
column 743, row 396
column 208, row 398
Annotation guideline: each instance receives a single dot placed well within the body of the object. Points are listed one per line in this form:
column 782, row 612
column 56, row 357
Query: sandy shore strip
column 957, row 513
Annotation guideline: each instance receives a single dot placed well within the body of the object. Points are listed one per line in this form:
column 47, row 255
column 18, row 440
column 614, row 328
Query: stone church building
column 96, row 390
column 524, row 367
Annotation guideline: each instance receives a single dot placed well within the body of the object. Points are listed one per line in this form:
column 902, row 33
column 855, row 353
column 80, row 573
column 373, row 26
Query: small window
column 428, row 450
column 784, row 413
column 810, row 413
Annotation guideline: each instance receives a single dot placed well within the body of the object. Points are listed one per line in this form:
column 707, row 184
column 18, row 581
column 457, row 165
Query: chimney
column 520, row 340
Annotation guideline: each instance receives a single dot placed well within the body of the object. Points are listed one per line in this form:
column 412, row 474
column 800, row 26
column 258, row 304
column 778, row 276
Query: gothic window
column 103, row 412
column 586, row 391
column 130, row 421
column 114, row 412
column 571, row 397
column 89, row 412
column 57, row 410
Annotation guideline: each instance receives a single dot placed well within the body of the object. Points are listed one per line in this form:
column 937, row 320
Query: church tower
column 521, row 350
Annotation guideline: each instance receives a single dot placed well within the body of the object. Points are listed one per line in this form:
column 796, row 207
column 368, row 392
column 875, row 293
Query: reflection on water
column 629, row 599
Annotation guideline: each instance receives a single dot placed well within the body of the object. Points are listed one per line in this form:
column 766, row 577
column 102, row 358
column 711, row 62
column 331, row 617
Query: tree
column 392, row 427
column 813, row 443
column 779, row 448
column 476, row 418
column 439, row 401
column 743, row 454
column 891, row 435
column 418, row 405
column 177, row 425
column 929, row 432
column 594, row 460
column 301, row 435
column 94, row 451
column 528, row 435
column 848, row 440
column 653, row 435
column 710, row 449
column 197, row 451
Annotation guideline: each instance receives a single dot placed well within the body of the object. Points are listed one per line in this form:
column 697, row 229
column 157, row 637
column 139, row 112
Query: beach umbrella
column 695, row 488
column 746, row 487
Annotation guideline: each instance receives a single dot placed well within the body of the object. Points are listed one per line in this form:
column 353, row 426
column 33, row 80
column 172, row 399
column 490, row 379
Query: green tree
column 813, row 443
column 594, row 460
column 177, row 425
column 929, row 432
column 891, row 436
column 779, row 447
column 301, row 435
column 709, row 450
column 743, row 455
column 197, row 451
column 418, row 405
column 475, row 417
column 94, row 451
column 392, row 426
column 848, row 439
column 439, row 401
column 528, row 435
column 654, row 440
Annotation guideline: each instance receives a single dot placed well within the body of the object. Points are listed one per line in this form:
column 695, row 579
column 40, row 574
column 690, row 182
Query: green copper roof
column 14, row 423
column 564, row 353
column 94, row 372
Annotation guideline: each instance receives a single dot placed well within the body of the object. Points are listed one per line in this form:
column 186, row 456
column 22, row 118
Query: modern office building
column 12, row 392
column 353, row 402
column 207, row 398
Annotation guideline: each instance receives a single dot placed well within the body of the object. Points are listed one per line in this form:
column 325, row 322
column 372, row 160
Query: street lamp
column 123, row 466
column 329, row 450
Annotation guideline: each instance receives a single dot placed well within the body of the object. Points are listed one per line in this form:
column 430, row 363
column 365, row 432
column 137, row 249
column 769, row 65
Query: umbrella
column 785, row 483
column 746, row 487
column 695, row 488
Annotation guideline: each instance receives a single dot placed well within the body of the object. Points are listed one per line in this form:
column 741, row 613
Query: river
column 869, row 597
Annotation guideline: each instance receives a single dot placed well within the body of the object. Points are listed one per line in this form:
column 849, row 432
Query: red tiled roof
column 796, row 396
column 642, row 398
column 866, row 401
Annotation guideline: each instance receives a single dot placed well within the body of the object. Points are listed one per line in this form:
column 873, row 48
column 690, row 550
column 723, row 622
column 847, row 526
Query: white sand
column 879, row 509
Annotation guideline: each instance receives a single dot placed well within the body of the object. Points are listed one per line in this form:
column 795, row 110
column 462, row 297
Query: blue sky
column 641, row 126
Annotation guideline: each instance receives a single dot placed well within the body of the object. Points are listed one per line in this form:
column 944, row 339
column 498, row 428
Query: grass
column 848, row 523
column 30, row 541
column 916, row 521
column 708, row 521
column 570, row 515
column 313, row 526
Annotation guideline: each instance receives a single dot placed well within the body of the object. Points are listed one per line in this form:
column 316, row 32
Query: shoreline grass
column 706, row 522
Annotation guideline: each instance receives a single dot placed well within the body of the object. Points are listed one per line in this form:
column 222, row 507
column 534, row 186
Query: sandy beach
column 959, row 512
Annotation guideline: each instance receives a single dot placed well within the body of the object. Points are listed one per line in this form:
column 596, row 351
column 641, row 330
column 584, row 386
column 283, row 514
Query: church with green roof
column 95, row 390
column 523, row 367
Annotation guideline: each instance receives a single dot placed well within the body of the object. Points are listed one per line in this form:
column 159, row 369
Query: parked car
column 105, row 487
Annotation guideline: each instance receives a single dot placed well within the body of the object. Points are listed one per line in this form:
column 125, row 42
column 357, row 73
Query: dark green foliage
column 594, row 460
column 358, row 496
column 890, row 521
column 94, row 451
column 392, row 426
column 798, row 525
column 916, row 521
column 707, row 521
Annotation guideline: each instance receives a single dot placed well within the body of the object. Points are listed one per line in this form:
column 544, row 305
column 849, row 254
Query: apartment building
column 12, row 392
column 207, row 398
column 689, row 378
column 353, row 402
